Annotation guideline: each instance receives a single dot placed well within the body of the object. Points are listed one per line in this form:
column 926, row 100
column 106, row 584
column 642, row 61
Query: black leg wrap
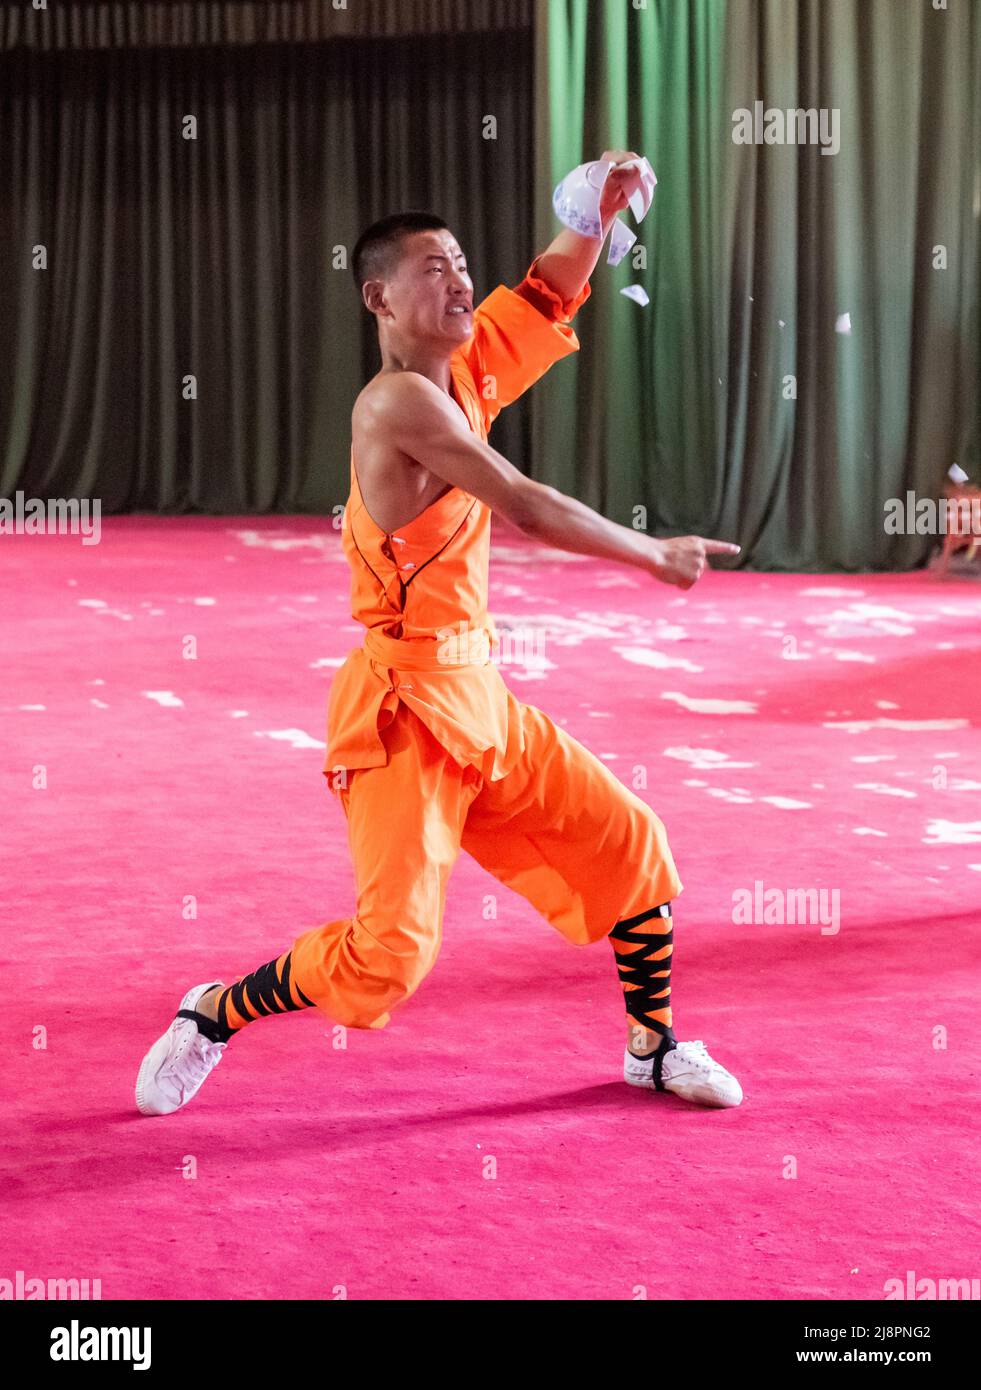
column 639, row 969
column 262, row 993
column 266, row 992
column 226, row 1032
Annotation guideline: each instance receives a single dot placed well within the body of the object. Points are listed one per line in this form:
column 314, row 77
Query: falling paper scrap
column 620, row 242
column 844, row 323
column 637, row 293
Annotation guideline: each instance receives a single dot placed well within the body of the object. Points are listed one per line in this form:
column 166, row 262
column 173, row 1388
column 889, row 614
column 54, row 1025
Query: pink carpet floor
column 796, row 731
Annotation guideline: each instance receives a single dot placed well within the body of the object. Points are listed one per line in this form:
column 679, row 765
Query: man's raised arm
column 571, row 258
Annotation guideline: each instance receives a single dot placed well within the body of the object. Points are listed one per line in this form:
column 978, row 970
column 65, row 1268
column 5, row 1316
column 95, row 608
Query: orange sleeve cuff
column 548, row 301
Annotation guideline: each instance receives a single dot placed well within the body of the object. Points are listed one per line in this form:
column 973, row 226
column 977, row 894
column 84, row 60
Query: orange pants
column 559, row 828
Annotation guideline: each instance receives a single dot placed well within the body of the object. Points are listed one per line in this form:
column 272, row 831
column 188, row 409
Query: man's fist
column 620, row 183
column 682, row 560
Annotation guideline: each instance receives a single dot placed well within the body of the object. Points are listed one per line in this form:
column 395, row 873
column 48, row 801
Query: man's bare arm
column 413, row 415
column 424, row 423
column 568, row 524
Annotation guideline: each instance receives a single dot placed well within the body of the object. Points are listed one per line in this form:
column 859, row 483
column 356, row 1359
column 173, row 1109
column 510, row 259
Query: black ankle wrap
column 206, row 1026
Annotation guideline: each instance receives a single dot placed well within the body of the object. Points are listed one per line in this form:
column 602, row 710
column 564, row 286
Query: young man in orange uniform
column 428, row 750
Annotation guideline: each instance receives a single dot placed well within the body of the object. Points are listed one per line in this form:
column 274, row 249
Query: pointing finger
column 720, row 547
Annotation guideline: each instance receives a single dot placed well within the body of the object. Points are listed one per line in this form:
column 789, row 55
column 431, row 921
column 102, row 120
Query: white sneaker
column 178, row 1062
column 689, row 1072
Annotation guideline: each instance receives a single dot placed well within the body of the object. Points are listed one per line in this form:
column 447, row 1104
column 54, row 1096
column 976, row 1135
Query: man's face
column 430, row 295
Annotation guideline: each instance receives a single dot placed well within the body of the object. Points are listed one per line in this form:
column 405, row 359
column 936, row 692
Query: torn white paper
column 577, row 198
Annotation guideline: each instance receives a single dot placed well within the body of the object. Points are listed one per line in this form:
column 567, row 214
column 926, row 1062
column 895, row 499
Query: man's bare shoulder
column 390, row 395
column 395, row 486
column 404, row 413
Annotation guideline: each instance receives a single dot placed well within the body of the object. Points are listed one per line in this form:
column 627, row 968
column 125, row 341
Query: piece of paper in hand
column 640, row 198
column 637, row 293
column 844, row 323
column 620, row 242
column 577, row 198
column 956, row 473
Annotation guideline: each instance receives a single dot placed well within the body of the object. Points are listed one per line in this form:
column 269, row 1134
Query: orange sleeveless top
column 421, row 592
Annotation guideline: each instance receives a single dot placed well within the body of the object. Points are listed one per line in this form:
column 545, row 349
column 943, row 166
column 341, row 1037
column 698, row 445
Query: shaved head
column 376, row 255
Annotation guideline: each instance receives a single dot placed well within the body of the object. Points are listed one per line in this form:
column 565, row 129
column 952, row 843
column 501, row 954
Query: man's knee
column 644, row 832
column 400, row 952
column 357, row 971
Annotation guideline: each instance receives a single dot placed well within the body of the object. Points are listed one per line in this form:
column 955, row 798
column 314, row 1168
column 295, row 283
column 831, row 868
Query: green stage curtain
column 681, row 407
column 216, row 257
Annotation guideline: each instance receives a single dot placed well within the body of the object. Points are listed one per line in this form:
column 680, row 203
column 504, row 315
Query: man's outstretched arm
column 413, row 415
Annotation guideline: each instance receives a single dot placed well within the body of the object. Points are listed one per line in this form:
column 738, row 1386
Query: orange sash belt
column 460, row 647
